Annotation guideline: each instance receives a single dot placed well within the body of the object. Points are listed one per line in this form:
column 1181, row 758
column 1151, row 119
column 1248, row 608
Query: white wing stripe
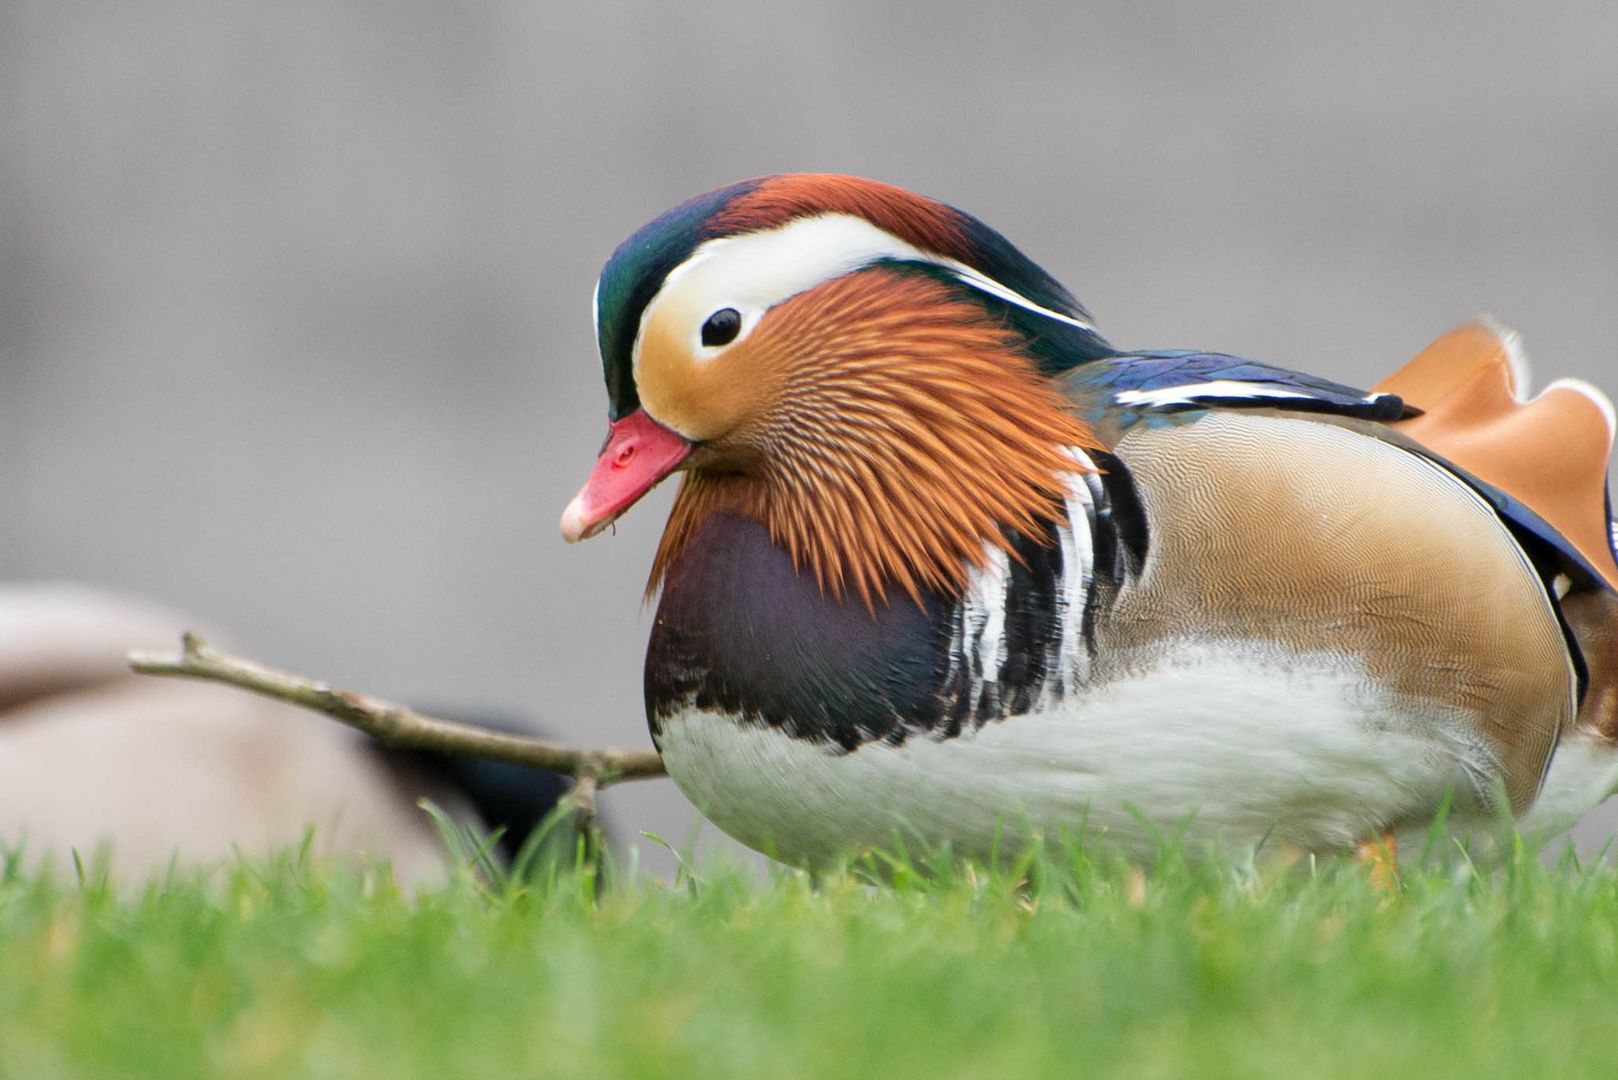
column 1217, row 390
column 1222, row 388
column 1077, row 538
column 979, row 645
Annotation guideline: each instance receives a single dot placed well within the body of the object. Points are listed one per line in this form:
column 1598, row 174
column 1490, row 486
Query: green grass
column 1068, row 964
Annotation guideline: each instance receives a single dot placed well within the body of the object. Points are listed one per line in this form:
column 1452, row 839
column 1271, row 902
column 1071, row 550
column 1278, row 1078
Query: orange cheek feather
column 703, row 399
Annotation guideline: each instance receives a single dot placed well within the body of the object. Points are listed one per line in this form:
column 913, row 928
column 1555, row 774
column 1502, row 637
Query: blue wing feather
column 1156, row 382
column 1137, row 386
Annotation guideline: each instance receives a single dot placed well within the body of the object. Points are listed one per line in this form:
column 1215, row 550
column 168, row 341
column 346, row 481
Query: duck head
column 869, row 373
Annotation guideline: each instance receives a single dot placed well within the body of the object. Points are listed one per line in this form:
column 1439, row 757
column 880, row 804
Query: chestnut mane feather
column 915, row 219
column 907, row 429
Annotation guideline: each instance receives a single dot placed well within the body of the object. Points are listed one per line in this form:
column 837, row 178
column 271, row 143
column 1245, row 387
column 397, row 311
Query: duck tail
column 1550, row 452
column 1592, row 616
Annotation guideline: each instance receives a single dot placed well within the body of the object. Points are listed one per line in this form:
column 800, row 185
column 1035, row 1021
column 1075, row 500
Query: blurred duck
column 155, row 771
column 945, row 561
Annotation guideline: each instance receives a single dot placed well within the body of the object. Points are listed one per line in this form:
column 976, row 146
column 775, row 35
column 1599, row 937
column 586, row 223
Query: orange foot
column 1380, row 857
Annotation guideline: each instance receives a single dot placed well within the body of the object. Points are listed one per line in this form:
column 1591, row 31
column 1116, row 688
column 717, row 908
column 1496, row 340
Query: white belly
column 1221, row 746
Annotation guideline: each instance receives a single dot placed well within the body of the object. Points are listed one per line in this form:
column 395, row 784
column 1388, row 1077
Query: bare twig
column 581, row 804
column 399, row 726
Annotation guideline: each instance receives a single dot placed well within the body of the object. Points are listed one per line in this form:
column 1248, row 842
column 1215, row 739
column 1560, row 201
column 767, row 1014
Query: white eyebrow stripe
column 753, row 272
column 983, row 283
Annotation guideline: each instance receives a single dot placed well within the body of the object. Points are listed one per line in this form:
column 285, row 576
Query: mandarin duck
column 943, row 560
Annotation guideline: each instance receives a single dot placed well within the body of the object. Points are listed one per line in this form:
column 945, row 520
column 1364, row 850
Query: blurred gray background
column 294, row 297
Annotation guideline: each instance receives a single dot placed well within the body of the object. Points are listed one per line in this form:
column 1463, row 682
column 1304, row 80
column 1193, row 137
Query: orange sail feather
column 1549, row 452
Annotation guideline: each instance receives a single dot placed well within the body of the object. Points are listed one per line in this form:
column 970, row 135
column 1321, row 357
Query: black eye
column 722, row 327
